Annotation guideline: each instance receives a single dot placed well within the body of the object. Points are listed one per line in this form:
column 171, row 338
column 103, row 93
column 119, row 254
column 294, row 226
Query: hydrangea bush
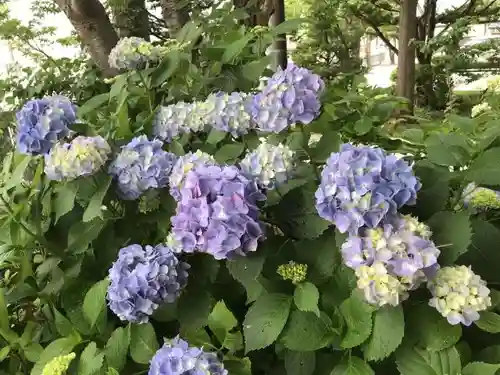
column 268, row 225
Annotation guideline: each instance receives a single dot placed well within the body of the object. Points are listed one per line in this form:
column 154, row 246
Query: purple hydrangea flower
column 360, row 186
column 176, row 357
column 218, row 213
column 83, row 156
column 42, row 122
column 290, row 96
column 141, row 165
column 144, row 278
column 229, row 112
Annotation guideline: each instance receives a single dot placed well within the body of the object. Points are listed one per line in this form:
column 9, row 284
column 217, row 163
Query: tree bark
column 90, row 20
column 278, row 48
column 406, row 57
column 174, row 16
column 130, row 18
column 259, row 11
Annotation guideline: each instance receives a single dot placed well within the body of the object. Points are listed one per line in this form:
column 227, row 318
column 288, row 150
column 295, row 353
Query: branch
column 379, row 33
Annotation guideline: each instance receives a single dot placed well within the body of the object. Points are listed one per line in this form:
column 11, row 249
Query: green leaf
column 18, row 173
column 117, row 348
column 300, row 363
column 238, row 366
column 94, row 208
column 387, row 334
column 4, row 314
column 229, row 152
column 306, row 297
column 489, row 322
column 194, row 308
column 452, row 232
column 288, row 26
column 415, row 361
column 65, row 199
column 82, row 234
column 246, row 270
column 447, row 149
column 4, row 352
column 90, row 361
column 255, row 69
column 480, row 368
column 265, row 320
column 363, row 125
column 357, row 315
column 92, row 104
column 94, row 303
column 306, row 332
column 235, row 48
column 329, row 142
column 63, row 325
column 352, row 366
column 118, row 85
column 215, row 136
column 221, row 320
column 485, row 169
column 56, row 348
column 490, row 354
column 189, row 32
column 143, row 343
column 176, row 148
column 166, row 69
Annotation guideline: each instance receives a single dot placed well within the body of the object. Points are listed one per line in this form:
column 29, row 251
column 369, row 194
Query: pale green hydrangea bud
column 481, row 198
column 479, row 109
column 58, row 365
column 295, row 272
column 459, row 294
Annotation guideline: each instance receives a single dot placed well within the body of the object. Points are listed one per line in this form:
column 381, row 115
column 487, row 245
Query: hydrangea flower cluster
column 295, row 272
column 392, row 259
column 480, row 198
column 144, row 278
column 217, row 212
column 176, row 357
column 59, row 365
column 479, row 109
column 141, row 165
column 183, row 166
column 361, row 186
column 133, row 53
column 290, row 96
column 83, row 156
column 268, row 165
column 43, row 122
column 459, row 294
column 175, row 119
column 229, row 112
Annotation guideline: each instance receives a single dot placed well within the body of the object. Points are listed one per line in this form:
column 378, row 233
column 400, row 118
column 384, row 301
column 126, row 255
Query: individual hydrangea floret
column 290, row 96
column 43, row 122
column 59, row 365
column 295, row 272
column 360, row 186
column 459, row 294
column 83, row 156
column 480, row 198
column 173, row 243
column 133, row 53
column 229, row 112
column 176, row 357
column 183, row 166
column 144, row 278
column 218, row 213
column 268, row 165
column 141, row 165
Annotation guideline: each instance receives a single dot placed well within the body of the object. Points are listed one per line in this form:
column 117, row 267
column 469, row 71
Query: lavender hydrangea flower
column 133, row 53
column 360, row 186
column 181, row 168
column 176, row 357
column 83, row 156
column 290, row 96
column 141, row 165
column 144, row 278
column 218, row 213
column 42, row 122
column 459, row 294
column 229, row 112
column 268, row 165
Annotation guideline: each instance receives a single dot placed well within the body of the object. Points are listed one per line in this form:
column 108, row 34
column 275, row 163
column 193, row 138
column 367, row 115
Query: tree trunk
column 406, row 57
column 278, row 48
column 130, row 18
column 259, row 11
column 90, row 20
column 175, row 16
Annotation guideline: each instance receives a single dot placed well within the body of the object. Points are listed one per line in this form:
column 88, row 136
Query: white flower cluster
column 479, row 109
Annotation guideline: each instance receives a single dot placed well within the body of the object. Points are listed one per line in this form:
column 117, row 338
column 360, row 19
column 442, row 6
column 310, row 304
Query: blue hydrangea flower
column 218, row 213
column 133, row 53
column 360, row 186
column 459, row 294
column 144, row 278
column 141, row 165
column 229, row 112
column 176, row 357
column 291, row 96
column 83, row 156
column 181, row 168
column 480, row 198
column 268, row 165
column 42, row 122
